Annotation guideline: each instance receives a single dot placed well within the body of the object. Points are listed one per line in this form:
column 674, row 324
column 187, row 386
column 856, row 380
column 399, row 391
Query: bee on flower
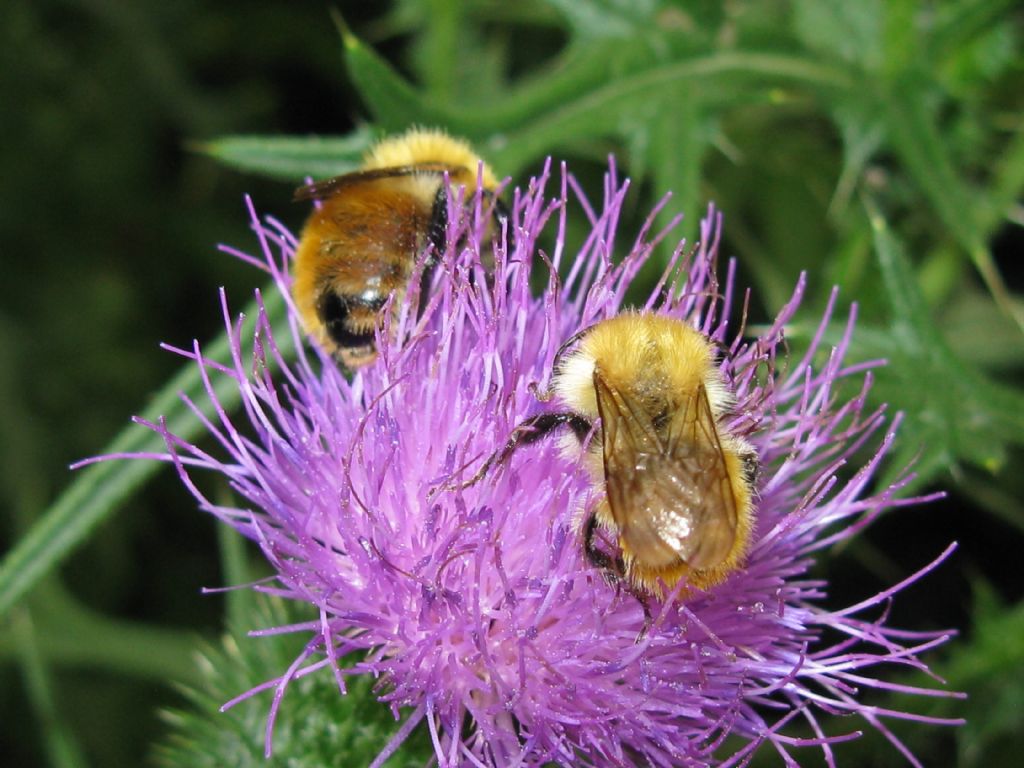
column 484, row 609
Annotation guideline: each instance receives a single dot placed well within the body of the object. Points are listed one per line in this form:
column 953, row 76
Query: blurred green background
column 878, row 145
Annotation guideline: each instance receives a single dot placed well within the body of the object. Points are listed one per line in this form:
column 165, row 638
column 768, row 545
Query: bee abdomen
column 349, row 320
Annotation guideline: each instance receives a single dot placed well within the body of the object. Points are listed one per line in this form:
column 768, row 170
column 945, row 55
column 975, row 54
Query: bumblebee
column 360, row 246
column 646, row 398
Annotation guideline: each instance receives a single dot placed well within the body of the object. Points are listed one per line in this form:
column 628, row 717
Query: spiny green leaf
column 901, row 36
column 911, row 127
column 606, row 19
column 440, row 45
column 291, row 158
column 316, row 727
column 959, row 23
column 848, row 31
column 955, row 413
column 578, row 100
column 394, row 102
column 601, row 111
column 862, row 135
column 1008, row 183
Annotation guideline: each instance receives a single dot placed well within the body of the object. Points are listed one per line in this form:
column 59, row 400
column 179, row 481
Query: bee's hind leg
column 614, row 571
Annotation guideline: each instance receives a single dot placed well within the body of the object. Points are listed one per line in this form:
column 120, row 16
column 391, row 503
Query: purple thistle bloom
column 476, row 608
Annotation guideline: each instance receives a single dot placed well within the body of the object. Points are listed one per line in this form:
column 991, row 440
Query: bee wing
column 632, row 450
column 696, row 449
column 321, row 190
column 669, row 496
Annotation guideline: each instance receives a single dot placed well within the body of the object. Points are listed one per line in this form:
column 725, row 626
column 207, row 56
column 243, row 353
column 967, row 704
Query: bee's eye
column 350, row 322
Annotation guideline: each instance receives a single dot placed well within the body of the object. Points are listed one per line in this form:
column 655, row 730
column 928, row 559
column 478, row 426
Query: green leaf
column 393, row 101
column 601, row 112
column 677, row 151
column 99, row 489
column 670, row 144
column 847, row 31
column 911, row 126
column 1008, row 184
column 291, row 158
column 862, row 136
column 957, row 24
column 316, row 726
column 596, row 20
column 583, row 98
column 901, row 36
column 439, row 47
column 396, row 103
column 912, row 129
column 955, row 414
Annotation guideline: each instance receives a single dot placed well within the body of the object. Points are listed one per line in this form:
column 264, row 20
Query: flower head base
column 476, row 608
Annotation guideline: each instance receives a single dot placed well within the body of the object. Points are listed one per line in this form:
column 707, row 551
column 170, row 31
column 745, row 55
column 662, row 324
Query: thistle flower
column 476, row 609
